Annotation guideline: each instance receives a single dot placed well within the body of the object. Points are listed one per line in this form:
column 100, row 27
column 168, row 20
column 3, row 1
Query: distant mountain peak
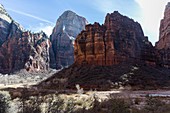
column 4, row 15
column 69, row 15
column 168, row 5
column 1, row 5
column 69, row 12
column 68, row 26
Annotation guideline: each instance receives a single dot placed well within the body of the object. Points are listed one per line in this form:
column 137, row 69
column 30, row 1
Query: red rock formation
column 8, row 27
column 20, row 49
column 31, row 51
column 164, row 34
column 118, row 40
column 163, row 45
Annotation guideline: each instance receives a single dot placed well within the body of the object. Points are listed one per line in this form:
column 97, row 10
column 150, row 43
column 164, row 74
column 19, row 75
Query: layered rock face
column 164, row 33
column 111, row 55
column 119, row 39
column 30, row 52
column 20, row 49
column 163, row 45
column 8, row 27
column 68, row 26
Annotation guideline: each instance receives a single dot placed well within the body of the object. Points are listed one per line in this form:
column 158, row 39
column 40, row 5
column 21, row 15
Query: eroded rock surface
column 21, row 49
column 113, row 55
column 8, row 27
column 163, row 45
column 30, row 52
column 68, row 26
column 119, row 39
column 164, row 33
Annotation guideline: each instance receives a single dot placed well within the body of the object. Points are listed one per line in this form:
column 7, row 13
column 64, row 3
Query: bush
column 56, row 104
column 113, row 105
column 4, row 102
column 120, row 106
column 153, row 105
column 30, row 106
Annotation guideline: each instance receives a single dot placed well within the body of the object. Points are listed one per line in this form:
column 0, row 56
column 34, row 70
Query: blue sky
column 39, row 15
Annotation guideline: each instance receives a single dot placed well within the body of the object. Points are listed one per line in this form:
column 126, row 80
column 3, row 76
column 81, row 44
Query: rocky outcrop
column 21, row 49
column 68, row 26
column 164, row 32
column 163, row 45
column 8, row 27
column 119, row 39
column 115, row 54
column 30, row 52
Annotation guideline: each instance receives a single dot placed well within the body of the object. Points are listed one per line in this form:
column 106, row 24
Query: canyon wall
column 163, row 45
column 118, row 39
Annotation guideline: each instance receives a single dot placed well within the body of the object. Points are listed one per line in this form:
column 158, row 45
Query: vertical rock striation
column 20, row 49
column 164, row 32
column 116, row 54
column 8, row 27
column 68, row 26
column 163, row 45
column 118, row 40
column 30, row 52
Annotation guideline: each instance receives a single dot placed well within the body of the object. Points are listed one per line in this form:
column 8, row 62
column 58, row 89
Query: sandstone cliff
column 21, row 49
column 164, row 36
column 8, row 27
column 68, row 26
column 115, row 54
column 30, row 52
column 163, row 45
column 119, row 39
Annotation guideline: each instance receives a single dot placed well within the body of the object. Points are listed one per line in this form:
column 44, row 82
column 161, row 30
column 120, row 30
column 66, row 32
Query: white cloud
column 30, row 15
column 152, row 13
column 47, row 28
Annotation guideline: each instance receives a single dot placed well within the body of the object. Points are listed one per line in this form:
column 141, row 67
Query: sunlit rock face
column 164, row 34
column 118, row 39
column 8, row 27
column 115, row 53
column 30, row 52
column 68, row 26
column 21, row 49
column 163, row 45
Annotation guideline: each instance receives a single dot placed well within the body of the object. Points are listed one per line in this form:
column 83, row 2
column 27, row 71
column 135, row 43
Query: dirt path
column 132, row 94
